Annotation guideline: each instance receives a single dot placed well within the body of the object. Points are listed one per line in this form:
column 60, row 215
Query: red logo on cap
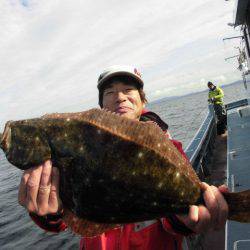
column 137, row 72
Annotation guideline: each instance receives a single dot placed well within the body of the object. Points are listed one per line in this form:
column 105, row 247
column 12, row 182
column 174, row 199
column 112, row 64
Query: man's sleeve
column 174, row 226
column 178, row 145
column 51, row 222
column 220, row 95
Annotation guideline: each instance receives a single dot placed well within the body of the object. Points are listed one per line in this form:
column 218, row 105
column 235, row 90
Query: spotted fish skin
column 106, row 175
column 113, row 170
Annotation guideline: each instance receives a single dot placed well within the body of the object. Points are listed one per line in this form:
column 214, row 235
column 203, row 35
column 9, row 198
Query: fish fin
column 239, row 206
column 85, row 227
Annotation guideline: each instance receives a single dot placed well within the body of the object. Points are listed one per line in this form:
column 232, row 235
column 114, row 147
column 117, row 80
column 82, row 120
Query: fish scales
column 113, row 170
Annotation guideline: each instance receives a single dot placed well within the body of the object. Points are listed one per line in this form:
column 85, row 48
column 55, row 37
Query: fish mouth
column 5, row 138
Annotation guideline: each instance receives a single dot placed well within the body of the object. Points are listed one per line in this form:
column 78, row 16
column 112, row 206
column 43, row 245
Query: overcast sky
column 51, row 52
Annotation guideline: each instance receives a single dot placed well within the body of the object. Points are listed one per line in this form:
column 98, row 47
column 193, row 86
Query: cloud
column 52, row 51
column 220, row 78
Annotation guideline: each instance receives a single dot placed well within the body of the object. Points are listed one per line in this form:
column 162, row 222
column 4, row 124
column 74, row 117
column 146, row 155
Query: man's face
column 123, row 99
column 210, row 86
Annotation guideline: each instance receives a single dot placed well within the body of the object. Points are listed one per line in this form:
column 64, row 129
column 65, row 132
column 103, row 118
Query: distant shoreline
column 192, row 93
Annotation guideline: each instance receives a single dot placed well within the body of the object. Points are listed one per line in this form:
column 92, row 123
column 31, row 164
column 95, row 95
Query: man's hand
column 211, row 100
column 212, row 216
column 39, row 189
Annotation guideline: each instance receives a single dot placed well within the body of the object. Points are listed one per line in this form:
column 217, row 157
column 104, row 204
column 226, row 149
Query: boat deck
column 218, row 170
column 231, row 162
column 218, row 176
column 227, row 159
column 238, row 234
column 219, row 162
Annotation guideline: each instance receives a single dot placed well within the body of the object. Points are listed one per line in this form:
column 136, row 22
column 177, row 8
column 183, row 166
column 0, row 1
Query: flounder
column 113, row 170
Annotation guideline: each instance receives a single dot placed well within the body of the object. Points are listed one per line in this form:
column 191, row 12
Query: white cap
column 119, row 70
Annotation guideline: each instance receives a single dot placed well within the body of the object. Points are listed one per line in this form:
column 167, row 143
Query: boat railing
column 236, row 104
column 199, row 150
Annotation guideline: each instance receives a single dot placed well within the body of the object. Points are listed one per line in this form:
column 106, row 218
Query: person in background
column 121, row 91
column 215, row 97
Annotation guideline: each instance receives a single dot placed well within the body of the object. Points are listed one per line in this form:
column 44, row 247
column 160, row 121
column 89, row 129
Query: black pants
column 221, row 115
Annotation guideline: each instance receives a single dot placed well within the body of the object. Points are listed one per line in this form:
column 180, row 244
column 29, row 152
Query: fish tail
column 239, row 206
column 1, row 139
column 5, row 137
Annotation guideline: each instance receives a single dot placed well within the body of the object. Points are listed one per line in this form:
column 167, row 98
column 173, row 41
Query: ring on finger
column 44, row 189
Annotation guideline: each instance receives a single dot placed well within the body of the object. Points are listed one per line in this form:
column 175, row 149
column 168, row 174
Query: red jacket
column 147, row 235
column 162, row 234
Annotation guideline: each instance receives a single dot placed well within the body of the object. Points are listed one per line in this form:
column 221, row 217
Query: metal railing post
column 212, row 112
column 211, row 109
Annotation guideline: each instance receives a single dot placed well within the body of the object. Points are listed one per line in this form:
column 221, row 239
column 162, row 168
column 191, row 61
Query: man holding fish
column 121, row 91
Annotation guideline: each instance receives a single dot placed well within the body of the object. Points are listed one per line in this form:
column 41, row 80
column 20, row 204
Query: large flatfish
column 113, row 170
